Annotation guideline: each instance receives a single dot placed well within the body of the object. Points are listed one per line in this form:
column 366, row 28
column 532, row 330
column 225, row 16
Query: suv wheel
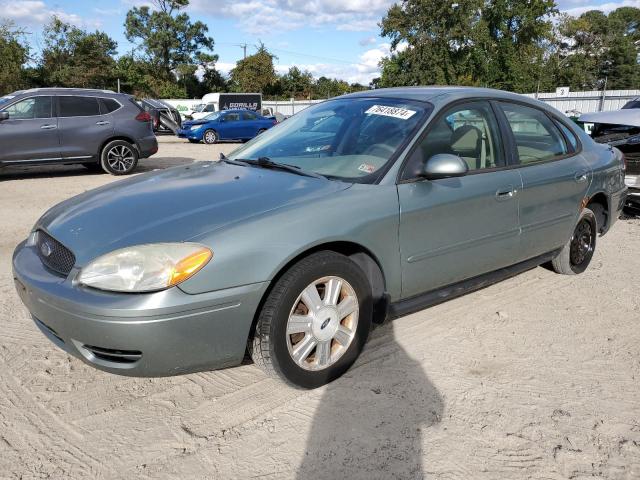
column 119, row 157
column 314, row 322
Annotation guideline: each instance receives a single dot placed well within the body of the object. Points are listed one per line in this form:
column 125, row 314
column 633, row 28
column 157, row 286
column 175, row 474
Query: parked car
column 367, row 206
column 99, row 129
column 621, row 129
column 165, row 118
column 226, row 125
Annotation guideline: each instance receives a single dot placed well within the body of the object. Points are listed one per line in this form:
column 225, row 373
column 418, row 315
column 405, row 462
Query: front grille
column 53, row 254
column 116, row 356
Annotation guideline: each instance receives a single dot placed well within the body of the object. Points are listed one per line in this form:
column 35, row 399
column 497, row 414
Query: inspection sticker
column 394, row 112
column 365, row 167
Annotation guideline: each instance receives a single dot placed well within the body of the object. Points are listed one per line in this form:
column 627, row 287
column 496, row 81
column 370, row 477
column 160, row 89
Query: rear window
column 108, row 105
column 78, row 106
column 632, row 104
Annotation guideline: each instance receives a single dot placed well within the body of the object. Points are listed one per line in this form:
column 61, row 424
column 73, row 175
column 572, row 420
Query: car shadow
column 373, row 422
column 59, row 171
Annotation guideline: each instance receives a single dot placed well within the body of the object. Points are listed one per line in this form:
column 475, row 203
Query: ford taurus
column 360, row 208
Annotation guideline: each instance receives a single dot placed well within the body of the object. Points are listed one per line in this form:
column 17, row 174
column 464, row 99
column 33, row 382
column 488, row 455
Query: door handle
column 48, row 127
column 102, row 123
column 506, row 193
column 580, row 177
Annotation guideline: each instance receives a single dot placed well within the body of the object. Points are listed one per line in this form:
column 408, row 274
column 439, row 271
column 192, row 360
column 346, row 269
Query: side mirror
column 4, row 116
column 444, row 165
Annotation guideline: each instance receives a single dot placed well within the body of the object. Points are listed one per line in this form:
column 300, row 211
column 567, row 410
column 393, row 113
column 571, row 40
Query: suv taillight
column 143, row 117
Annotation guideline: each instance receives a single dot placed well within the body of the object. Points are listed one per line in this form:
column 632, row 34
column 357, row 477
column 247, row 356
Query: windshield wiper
column 223, row 158
column 266, row 162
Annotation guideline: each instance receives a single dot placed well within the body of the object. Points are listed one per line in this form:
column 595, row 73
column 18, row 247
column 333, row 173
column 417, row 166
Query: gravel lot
column 536, row 377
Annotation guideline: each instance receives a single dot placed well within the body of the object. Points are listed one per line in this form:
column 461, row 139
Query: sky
column 334, row 38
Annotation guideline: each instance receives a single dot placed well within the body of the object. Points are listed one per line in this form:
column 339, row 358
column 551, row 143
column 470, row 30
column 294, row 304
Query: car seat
column 468, row 142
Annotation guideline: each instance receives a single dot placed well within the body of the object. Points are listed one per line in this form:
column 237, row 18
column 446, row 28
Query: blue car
column 225, row 125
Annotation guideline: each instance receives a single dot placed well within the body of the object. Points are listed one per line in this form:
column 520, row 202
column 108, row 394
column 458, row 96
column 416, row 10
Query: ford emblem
column 46, row 249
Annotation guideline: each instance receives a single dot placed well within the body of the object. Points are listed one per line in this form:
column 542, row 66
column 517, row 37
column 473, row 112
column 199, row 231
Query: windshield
column 5, row 99
column 212, row 116
column 348, row 138
column 198, row 108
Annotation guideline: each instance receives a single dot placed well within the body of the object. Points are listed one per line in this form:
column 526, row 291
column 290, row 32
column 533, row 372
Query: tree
column 296, row 82
column 498, row 43
column 14, row 54
column 168, row 38
column 254, row 73
column 75, row 58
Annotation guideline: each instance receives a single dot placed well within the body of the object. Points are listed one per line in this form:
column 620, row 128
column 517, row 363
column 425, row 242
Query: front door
column 232, row 128
column 83, row 128
column 555, row 178
column 457, row 228
column 30, row 132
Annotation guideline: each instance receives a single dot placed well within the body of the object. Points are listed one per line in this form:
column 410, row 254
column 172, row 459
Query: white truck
column 214, row 102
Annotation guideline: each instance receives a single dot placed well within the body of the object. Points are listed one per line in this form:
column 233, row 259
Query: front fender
column 257, row 249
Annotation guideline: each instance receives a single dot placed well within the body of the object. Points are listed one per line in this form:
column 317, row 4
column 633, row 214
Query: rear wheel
column 210, row 137
column 314, row 322
column 261, row 131
column 575, row 256
column 119, row 158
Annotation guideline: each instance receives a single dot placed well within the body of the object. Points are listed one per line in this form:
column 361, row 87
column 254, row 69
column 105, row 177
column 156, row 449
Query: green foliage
column 168, row 38
column 254, row 73
column 75, row 58
column 14, row 53
column 499, row 43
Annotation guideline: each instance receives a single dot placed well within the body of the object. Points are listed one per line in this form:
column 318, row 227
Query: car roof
column 441, row 95
column 69, row 91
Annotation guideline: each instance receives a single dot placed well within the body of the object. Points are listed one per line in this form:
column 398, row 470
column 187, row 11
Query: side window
column 249, row 116
column 569, row 135
column 537, row 138
column 30, row 108
column 232, row 117
column 108, row 105
column 209, row 108
column 469, row 131
column 78, row 106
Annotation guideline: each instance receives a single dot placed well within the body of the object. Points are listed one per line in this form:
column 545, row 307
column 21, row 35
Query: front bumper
column 149, row 335
column 192, row 134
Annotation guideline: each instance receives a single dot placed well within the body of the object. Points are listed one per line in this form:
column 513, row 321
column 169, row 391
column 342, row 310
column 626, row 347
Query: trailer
column 215, row 102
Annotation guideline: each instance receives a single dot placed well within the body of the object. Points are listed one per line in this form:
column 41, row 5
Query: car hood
column 175, row 205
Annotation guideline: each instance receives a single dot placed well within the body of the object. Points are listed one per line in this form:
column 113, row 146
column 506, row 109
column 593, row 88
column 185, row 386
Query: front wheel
column 575, row 256
column 314, row 322
column 210, row 137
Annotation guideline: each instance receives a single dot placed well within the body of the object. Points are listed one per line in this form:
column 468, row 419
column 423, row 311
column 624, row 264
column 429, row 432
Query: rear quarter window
column 108, row 105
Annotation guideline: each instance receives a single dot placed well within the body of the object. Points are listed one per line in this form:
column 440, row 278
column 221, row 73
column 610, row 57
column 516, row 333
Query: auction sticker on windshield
column 394, row 112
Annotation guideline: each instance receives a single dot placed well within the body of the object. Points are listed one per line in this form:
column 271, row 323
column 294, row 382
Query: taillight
column 143, row 117
column 275, row 122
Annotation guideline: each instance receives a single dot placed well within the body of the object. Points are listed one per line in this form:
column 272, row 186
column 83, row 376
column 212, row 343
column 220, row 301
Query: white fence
column 586, row 102
column 572, row 102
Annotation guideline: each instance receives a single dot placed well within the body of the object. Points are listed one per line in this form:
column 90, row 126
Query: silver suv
column 99, row 129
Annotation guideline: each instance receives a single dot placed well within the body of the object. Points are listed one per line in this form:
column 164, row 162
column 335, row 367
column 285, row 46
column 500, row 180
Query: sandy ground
column 536, row 377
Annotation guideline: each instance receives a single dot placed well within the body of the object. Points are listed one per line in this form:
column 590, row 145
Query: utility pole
column 243, row 46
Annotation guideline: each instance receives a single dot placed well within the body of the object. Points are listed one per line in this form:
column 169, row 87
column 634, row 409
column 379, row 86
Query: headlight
column 145, row 268
column 196, row 127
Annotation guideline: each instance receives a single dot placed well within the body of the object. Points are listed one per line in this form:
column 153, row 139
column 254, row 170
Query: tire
column 119, row 157
column 193, row 140
column 575, row 256
column 261, row 131
column 277, row 340
column 93, row 167
column 210, row 137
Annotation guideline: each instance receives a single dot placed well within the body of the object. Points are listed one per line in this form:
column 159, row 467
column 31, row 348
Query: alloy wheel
column 120, row 158
column 322, row 323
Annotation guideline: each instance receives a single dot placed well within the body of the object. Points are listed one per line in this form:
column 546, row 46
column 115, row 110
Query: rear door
column 83, row 127
column 555, row 177
column 231, row 126
column 457, row 228
column 31, row 132
column 250, row 124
